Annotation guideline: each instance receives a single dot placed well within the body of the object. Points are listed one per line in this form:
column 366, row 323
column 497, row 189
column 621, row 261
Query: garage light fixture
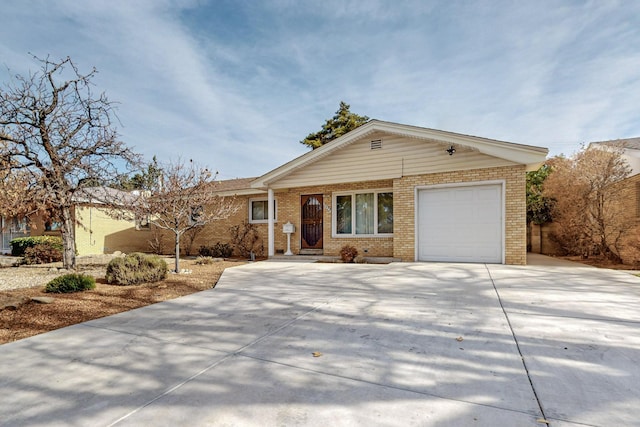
column 450, row 150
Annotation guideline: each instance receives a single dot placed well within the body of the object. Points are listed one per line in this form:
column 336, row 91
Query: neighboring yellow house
column 97, row 232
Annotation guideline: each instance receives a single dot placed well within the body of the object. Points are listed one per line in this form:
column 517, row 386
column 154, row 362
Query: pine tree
column 342, row 122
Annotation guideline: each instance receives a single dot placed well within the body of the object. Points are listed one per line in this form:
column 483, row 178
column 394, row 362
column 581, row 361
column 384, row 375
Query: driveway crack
column 515, row 339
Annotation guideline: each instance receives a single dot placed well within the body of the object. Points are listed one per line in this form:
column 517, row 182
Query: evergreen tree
column 342, row 122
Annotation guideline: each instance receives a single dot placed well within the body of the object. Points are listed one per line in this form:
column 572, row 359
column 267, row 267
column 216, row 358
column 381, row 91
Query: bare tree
column 59, row 138
column 183, row 199
column 589, row 202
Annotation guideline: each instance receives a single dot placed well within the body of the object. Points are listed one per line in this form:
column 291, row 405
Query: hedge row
column 20, row 244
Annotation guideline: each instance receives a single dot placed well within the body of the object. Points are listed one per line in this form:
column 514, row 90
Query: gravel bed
column 28, row 276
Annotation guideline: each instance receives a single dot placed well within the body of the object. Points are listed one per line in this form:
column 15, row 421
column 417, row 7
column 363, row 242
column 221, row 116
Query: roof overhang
column 530, row 156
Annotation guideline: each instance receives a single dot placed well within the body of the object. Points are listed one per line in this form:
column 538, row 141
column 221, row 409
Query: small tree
column 182, row 199
column 57, row 138
column 538, row 206
column 343, row 121
column 588, row 202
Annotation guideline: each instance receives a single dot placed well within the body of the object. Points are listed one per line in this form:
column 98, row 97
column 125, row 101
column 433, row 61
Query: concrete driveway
column 401, row 344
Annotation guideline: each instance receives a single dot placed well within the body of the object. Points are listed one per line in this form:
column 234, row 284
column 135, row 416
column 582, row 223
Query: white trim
column 353, row 235
column 416, row 217
column 271, row 215
column 262, row 221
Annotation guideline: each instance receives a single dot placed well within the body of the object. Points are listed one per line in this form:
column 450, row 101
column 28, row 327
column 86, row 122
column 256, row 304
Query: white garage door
column 460, row 224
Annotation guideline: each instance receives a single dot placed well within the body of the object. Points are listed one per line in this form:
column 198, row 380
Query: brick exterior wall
column 124, row 237
column 289, row 210
column 630, row 251
column 402, row 244
column 515, row 208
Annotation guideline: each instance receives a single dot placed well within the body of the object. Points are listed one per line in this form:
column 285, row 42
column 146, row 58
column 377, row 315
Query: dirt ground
column 21, row 317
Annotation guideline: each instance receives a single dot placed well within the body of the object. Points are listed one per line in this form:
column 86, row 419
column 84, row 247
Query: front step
column 311, row 252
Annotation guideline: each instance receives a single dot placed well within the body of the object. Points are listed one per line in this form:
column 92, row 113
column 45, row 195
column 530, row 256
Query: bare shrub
column 348, row 253
column 246, row 239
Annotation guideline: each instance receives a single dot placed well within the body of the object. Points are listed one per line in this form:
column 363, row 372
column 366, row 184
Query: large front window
column 366, row 213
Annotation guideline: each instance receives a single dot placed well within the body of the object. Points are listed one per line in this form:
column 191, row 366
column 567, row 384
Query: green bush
column 219, row 250
column 42, row 253
column 70, row 283
column 20, row 244
column 136, row 268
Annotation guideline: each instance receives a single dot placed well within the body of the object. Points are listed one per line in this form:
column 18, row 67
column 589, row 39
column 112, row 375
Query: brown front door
column 311, row 207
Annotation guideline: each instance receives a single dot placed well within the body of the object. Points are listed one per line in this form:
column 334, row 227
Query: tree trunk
column 177, row 253
column 68, row 239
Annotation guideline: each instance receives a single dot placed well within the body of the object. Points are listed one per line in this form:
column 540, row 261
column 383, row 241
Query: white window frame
column 334, row 214
column 266, row 220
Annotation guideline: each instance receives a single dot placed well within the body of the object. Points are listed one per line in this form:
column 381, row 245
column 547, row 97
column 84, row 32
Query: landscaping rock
column 43, row 300
column 12, row 303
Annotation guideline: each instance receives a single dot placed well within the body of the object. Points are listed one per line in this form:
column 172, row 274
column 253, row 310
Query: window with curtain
column 363, row 213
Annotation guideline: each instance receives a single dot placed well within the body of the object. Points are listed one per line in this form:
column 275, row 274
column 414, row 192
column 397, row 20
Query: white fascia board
column 518, row 153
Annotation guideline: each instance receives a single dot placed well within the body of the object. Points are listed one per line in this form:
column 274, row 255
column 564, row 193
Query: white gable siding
column 399, row 156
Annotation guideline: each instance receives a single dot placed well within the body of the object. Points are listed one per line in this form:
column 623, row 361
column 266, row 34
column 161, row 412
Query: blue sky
column 235, row 85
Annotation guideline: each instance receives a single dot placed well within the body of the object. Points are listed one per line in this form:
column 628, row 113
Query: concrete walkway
column 330, row 344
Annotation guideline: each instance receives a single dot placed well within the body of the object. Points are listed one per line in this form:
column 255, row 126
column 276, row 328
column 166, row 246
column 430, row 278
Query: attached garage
column 460, row 223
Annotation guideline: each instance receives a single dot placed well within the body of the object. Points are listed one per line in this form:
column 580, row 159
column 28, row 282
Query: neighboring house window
column 142, row 223
column 196, row 214
column 259, row 211
column 363, row 213
column 52, row 226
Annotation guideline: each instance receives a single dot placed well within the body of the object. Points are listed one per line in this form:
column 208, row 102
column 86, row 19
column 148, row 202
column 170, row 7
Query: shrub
column 348, row 253
column 42, row 253
column 20, row 244
column 219, row 250
column 136, row 268
column 204, row 260
column 70, row 283
column 246, row 239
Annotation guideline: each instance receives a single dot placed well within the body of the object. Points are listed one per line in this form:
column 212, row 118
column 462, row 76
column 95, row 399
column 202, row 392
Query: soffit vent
column 376, row 144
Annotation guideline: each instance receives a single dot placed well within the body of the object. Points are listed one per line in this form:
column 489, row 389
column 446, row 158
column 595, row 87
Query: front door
column 311, row 207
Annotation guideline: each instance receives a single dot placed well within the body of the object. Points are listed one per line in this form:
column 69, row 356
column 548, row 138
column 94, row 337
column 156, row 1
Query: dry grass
column 32, row 318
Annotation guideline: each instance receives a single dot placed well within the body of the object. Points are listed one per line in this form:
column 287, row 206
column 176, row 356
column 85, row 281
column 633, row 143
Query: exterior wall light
column 450, row 150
